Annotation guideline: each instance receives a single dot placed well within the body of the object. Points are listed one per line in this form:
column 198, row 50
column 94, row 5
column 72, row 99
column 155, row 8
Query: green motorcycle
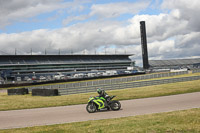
column 100, row 103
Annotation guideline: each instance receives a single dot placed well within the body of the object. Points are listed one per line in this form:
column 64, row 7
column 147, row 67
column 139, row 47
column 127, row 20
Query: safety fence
column 196, row 71
column 100, row 82
column 125, row 85
column 118, row 83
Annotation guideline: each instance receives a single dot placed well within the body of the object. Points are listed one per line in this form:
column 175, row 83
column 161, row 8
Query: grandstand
column 23, row 65
column 175, row 63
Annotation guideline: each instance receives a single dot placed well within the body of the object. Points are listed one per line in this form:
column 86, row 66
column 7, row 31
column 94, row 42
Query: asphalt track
column 77, row 113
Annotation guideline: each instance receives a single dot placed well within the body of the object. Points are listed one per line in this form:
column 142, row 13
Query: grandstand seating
column 54, row 63
column 174, row 62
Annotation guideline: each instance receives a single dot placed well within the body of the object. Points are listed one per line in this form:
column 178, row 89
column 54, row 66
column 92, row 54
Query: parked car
column 59, row 77
column 42, row 78
column 29, row 79
column 19, row 79
column 34, row 77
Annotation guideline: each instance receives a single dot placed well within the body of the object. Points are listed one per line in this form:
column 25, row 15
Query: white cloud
column 74, row 18
column 116, row 9
column 110, row 10
column 172, row 34
column 188, row 10
column 160, row 27
column 20, row 10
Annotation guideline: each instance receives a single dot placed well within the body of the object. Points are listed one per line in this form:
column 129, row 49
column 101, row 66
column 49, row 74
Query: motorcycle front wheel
column 91, row 108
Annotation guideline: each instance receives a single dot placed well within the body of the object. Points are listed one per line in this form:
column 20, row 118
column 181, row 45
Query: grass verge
column 186, row 121
column 14, row 102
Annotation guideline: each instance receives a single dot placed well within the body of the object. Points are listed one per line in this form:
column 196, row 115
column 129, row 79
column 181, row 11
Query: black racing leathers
column 104, row 95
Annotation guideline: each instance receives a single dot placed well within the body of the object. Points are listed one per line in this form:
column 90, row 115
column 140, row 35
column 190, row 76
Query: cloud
column 74, row 18
column 20, row 10
column 79, row 37
column 174, row 33
column 112, row 10
column 109, row 11
column 162, row 26
column 188, row 10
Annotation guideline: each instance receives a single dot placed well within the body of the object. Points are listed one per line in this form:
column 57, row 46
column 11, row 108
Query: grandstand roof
column 174, row 62
column 60, row 59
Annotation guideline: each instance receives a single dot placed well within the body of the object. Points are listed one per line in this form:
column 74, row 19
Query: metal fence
column 196, row 71
column 117, row 83
column 101, row 82
column 115, row 86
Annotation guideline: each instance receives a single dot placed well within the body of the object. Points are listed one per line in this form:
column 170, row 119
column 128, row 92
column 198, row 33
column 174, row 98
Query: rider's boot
column 106, row 103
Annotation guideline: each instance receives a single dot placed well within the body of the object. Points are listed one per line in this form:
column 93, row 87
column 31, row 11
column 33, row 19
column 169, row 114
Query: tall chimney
column 144, row 45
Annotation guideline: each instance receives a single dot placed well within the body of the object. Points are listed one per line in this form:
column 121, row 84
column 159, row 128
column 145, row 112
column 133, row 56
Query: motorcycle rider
column 103, row 94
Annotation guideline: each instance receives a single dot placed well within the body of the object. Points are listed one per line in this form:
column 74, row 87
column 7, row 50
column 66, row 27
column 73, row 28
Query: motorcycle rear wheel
column 91, row 108
column 115, row 105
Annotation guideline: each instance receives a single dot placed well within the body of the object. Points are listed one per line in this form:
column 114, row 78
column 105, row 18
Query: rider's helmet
column 99, row 90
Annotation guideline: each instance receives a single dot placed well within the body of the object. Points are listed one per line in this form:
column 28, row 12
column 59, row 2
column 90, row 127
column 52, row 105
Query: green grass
column 13, row 102
column 186, row 121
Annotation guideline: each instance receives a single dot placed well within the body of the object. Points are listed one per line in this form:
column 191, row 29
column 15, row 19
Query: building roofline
column 75, row 55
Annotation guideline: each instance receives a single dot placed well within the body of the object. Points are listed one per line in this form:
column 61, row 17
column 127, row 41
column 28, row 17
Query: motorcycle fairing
column 99, row 101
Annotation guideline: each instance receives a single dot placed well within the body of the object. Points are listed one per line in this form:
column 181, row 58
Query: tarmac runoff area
column 77, row 113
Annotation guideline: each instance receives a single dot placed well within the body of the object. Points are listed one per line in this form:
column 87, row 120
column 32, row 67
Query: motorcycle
column 98, row 103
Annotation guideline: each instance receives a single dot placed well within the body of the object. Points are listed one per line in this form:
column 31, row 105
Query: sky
column 100, row 27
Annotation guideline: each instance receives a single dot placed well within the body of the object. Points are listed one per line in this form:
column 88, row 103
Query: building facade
column 31, row 65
